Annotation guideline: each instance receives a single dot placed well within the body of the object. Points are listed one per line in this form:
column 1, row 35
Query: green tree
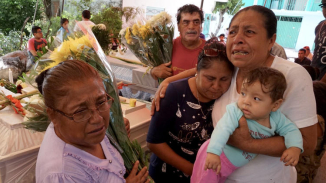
column 14, row 12
column 231, row 7
column 111, row 18
column 74, row 8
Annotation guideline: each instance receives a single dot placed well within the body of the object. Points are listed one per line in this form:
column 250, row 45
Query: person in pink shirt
column 36, row 43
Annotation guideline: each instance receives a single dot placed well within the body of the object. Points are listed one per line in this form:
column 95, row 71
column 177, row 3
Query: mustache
column 191, row 32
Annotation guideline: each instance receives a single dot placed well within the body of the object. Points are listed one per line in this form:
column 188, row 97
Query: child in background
column 261, row 96
column 63, row 32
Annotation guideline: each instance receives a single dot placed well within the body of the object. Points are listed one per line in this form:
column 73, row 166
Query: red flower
column 19, row 88
column 18, row 108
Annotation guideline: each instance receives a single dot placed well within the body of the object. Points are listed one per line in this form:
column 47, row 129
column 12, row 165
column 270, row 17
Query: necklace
column 201, row 108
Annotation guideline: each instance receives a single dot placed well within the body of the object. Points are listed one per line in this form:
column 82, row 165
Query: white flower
column 24, row 85
column 122, row 32
column 160, row 19
column 34, row 98
column 101, row 26
column 18, row 82
column 29, row 114
column 120, row 51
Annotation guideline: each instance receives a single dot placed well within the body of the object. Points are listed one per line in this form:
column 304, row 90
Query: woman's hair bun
column 40, row 80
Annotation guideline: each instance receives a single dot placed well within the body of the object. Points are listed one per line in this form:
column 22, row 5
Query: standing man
column 86, row 16
column 302, row 59
column 187, row 46
column 319, row 57
column 308, row 53
column 36, row 43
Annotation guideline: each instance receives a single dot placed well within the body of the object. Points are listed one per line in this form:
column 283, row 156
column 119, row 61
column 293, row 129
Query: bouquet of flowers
column 87, row 49
column 152, row 41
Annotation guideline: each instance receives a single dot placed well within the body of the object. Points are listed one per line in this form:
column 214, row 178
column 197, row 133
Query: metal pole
column 201, row 6
column 63, row 2
column 35, row 13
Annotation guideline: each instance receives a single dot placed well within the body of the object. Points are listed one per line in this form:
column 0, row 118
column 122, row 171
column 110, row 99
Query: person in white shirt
column 308, row 53
column 86, row 15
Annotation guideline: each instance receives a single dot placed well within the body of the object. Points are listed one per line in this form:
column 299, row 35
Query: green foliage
column 11, row 42
column 74, row 8
column 14, row 12
column 49, row 28
column 111, row 18
column 102, row 36
column 8, row 85
column 232, row 6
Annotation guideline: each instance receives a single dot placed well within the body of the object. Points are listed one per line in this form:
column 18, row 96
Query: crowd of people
column 227, row 111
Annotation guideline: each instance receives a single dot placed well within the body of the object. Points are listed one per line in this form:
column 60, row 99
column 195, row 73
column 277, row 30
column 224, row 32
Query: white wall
column 309, row 22
column 307, row 31
column 170, row 6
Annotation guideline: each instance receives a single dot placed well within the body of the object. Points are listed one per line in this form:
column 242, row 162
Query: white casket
column 139, row 118
column 131, row 73
column 19, row 146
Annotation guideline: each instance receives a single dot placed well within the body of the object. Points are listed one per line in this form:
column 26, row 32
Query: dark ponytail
column 40, row 79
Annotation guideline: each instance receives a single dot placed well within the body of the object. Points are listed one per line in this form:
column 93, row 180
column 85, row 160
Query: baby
column 260, row 98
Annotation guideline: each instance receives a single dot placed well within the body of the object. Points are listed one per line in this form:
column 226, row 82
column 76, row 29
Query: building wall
column 307, row 31
column 247, row 2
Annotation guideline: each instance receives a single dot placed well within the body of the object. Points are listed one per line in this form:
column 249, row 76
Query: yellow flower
column 135, row 30
column 75, row 43
column 63, row 52
column 128, row 36
column 144, row 31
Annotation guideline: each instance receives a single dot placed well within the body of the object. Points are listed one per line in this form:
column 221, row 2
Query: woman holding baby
column 248, row 47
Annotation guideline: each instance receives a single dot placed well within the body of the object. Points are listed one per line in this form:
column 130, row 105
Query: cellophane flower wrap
column 151, row 41
column 85, row 47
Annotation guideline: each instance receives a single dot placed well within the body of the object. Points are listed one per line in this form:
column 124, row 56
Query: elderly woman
column 248, row 47
column 75, row 148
